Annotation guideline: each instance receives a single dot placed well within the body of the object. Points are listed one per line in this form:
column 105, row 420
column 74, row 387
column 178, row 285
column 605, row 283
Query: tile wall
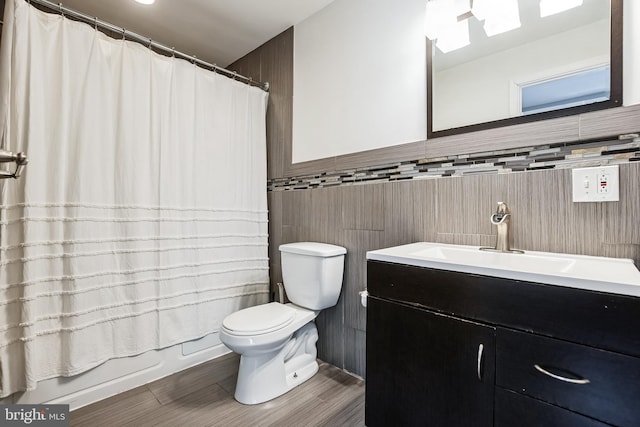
column 387, row 204
column 453, row 209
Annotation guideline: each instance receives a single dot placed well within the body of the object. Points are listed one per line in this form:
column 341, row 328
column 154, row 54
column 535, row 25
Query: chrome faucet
column 502, row 219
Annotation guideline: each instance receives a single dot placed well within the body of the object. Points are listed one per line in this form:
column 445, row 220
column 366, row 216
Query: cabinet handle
column 480, row 351
column 561, row 378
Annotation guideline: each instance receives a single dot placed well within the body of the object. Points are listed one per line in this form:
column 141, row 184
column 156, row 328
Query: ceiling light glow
column 146, row 1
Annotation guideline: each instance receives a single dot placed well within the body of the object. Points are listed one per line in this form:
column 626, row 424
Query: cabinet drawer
column 596, row 319
column 597, row 383
column 513, row 409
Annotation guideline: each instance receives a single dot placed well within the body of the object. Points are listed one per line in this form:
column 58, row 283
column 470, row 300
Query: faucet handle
column 502, row 208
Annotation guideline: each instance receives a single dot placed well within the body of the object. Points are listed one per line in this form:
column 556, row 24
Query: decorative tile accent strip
column 565, row 155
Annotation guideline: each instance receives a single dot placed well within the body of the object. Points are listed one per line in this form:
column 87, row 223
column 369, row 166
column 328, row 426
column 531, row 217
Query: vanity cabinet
column 551, row 355
column 418, row 357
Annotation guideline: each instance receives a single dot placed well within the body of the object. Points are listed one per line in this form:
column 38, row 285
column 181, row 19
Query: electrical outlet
column 599, row 184
column 603, row 183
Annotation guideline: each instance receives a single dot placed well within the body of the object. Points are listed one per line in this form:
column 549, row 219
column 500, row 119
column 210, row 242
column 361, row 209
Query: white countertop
column 613, row 275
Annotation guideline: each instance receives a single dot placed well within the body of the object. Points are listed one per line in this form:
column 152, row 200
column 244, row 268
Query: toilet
column 277, row 342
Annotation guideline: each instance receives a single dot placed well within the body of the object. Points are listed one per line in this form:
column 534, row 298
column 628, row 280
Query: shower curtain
column 141, row 219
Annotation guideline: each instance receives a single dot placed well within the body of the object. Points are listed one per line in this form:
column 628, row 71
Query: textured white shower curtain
column 141, row 219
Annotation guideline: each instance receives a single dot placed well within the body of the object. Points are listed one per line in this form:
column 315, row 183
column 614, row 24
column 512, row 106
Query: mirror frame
column 615, row 79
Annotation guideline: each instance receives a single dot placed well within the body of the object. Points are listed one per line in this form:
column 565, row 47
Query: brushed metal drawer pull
column 480, row 350
column 558, row 377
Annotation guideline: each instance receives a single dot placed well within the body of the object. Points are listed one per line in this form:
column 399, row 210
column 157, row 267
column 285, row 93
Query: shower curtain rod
column 63, row 10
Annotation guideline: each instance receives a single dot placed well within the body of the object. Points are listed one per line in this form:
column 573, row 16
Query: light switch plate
column 599, row 184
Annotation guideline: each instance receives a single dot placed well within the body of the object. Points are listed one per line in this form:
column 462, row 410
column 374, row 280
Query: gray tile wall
column 273, row 62
column 369, row 215
column 446, row 210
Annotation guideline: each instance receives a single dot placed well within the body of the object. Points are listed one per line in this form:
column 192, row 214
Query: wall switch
column 599, row 184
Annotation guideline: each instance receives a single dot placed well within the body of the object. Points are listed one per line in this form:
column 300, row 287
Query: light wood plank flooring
column 203, row 396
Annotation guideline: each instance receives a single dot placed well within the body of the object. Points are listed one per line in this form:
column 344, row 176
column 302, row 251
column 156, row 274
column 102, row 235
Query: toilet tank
column 312, row 273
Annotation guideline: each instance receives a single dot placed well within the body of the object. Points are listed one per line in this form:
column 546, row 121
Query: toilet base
column 263, row 377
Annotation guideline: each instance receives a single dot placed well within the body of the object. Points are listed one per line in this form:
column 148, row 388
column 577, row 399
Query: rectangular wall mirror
column 530, row 61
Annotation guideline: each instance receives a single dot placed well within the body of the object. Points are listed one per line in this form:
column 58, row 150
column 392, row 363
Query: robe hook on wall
column 20, row 159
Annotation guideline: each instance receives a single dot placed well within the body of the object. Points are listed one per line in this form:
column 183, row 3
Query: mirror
column 558, row 65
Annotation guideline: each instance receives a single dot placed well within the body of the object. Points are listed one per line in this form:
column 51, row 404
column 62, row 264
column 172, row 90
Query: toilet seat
column 260, row 319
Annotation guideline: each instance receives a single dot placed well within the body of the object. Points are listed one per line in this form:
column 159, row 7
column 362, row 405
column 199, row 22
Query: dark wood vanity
column 446, row 348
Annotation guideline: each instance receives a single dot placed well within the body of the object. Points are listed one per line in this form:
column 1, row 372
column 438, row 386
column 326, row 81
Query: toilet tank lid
column 313, row 249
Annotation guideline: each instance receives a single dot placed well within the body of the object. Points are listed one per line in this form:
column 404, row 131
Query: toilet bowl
column 276, row 356
column 277, row 342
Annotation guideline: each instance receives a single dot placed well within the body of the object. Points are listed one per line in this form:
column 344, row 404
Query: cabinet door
column 427, row 369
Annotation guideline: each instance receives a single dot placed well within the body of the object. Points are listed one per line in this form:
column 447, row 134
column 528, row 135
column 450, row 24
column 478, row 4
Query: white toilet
column 277, row 342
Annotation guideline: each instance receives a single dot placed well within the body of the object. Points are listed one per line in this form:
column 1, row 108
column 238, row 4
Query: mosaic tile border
column 624, row 149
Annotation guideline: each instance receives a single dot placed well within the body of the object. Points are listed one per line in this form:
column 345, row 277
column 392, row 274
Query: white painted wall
column 480, row 91
column 360, row 76
column 631, row 53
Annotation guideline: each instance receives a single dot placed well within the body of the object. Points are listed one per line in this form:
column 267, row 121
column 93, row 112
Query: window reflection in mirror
column 565, row 63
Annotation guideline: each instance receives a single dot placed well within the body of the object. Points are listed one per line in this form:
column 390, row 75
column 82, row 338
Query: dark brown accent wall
column 273, row 62
column 1, row 16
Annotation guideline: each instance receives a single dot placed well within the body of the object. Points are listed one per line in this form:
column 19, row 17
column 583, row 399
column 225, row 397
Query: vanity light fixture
column 146, row 1
column 501, row 16
column 447, row 20
column 443, row 23
column 439, row 15
column 454, row 36
column 551, row 7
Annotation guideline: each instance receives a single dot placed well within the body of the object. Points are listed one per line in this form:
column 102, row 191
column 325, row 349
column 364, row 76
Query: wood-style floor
column 203, row 396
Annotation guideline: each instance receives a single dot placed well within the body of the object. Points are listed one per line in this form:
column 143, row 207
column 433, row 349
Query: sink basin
column 527, row 262
column 614, row 275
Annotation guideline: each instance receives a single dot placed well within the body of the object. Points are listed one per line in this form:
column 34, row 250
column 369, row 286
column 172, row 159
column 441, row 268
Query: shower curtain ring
column 124, row 34
column 61, row 9
column 193, row 60
column 235, row 74
column 215, row 68
column 150, row 43
column 173, row 52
